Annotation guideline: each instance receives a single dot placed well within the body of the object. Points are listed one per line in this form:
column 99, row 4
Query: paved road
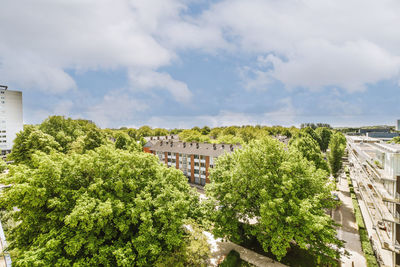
column 349, row 229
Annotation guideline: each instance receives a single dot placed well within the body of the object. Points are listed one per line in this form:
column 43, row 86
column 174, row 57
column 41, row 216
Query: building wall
column 11, row 120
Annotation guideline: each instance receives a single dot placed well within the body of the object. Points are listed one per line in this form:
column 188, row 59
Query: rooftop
column 193, row 148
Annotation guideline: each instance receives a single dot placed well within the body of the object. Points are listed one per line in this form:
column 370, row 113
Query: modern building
column 398, row 125
column 193, row 159
column 11, row 121
column 375, row 172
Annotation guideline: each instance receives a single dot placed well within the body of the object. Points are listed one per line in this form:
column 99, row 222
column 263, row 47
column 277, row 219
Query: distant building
column 364, row 131
column 382, row 135
column 398, row 125
column 193, row 159
column 11, row 121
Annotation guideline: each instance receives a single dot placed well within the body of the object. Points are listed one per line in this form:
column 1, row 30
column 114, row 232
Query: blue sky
column 175, row 63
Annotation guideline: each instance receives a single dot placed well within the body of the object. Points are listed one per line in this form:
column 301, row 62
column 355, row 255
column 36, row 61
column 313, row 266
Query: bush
column 231, row 260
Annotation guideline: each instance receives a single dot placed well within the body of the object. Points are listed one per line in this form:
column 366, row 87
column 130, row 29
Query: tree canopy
column 107, row 207
column 309, row 149
column 337, row 146
column 324, row 134
column 29, row 141
column 281, row 192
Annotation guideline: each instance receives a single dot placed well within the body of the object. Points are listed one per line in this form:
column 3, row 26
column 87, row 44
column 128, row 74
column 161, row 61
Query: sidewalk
column 221, row 248
column 348, row 231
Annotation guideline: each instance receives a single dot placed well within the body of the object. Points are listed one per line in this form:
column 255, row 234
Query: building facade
column 193, row 159
column 375, row 171
column 11, row 120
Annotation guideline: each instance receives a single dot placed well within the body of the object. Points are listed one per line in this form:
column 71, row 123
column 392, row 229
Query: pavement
column 348, row 231
column 221, row 248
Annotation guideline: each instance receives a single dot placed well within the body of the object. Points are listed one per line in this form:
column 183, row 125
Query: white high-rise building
column 11, row 121
column 398, row 125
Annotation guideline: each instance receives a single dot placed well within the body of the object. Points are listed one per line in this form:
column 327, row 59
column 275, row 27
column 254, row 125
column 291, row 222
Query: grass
column 365, row 243
column 233, row 260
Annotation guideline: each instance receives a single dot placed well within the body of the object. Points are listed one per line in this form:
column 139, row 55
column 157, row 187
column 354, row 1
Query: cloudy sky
column 176, row 63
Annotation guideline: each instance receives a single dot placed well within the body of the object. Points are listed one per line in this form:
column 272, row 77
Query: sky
column 180, row 64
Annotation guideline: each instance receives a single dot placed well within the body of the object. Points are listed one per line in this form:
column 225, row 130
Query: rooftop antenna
column 5, row 87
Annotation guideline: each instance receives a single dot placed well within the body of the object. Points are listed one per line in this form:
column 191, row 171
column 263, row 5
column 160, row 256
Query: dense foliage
column 310, row 150
column 106, row 207
column 91, row 197
column 324, row 134
column 275, row 195
column 234, row 134
column 337, row 146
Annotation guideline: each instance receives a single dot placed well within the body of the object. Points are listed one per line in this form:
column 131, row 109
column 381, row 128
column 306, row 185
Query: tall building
column 193, row 159
column 11, row 121
column 398, row 125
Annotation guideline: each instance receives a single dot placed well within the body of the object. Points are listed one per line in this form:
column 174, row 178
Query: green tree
column 312, row 133
column 93, row 139
column 122, row 141
column 205, row 130
column 324, row 134
column 160, row 132
column 104, row 208
column 29, row 141
column 3, row 165
column 193, row 136
column 309, row 148
column 281, row 192
column 230, row 139
column 144, row 131
column 195, row 250
column 337, row 146
column 395, row 140
column 65, row 130
column 132, row 133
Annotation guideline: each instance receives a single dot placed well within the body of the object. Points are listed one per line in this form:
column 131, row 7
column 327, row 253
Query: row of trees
column 88, row 196
column 234, row 134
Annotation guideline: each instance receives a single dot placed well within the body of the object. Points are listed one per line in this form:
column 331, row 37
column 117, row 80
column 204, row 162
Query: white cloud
column 115, row 107
column 348, row 43
column 284, row 115
column 317, row 63
column 151, row 79
column 43, row 38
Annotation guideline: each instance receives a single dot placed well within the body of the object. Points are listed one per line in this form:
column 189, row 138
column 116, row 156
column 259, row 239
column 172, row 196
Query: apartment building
column 193, row 159
column 375, row 171
column 11, row 121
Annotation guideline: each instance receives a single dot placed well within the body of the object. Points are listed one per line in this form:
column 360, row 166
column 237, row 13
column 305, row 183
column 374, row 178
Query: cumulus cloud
column 115, row 107
column 151, row 79
column 312, row 44
column 44, row 38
